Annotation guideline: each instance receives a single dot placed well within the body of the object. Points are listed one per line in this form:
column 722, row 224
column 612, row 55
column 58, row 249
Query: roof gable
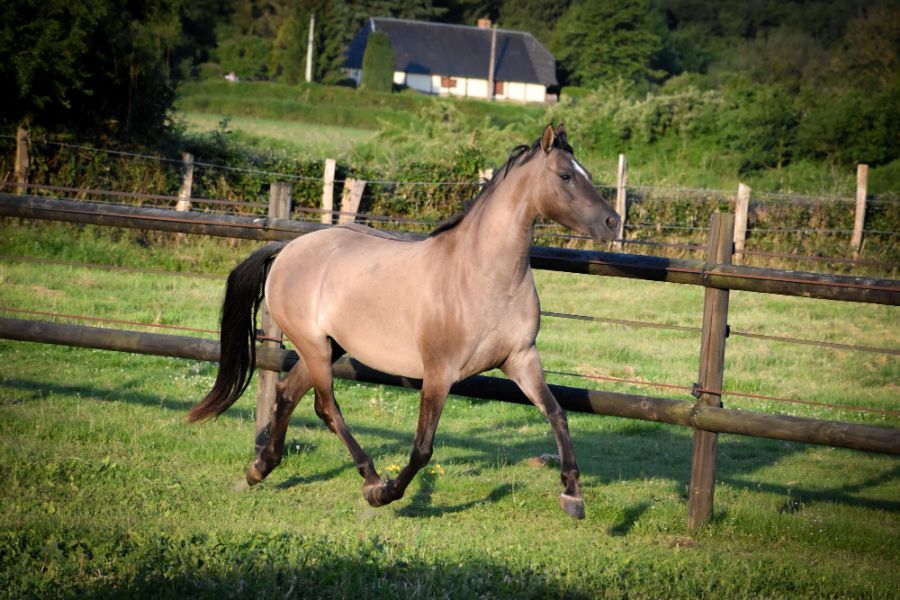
column 458, row 51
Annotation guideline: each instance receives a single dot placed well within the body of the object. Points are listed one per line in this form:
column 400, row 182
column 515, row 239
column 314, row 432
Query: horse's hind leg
column 270, row 442
column 525, row 369
column 328, row 410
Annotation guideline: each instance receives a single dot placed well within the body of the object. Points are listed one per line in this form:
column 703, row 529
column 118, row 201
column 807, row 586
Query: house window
column 448, row 82
column 498, row 88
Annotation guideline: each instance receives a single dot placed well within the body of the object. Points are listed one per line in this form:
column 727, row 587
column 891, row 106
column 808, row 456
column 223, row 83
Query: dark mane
column 519, row 155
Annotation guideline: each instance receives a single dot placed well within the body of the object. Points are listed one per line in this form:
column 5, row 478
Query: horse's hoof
column 378, row 494
column 572, row 505
column 254, row 475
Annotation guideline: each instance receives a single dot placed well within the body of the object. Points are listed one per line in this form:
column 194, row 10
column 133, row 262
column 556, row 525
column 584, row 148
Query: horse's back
column 362, row 289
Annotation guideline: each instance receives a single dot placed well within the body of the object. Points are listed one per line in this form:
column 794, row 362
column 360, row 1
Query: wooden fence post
column 621, row 200
column 350, row 198
column 712, row 366
column 328, row 192
column 859, row 221
column 741, row 208
column 279, row 208
column 184, row 194
column 21, row 172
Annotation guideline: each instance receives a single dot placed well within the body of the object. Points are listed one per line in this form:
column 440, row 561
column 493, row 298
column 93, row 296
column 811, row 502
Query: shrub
column 378, row 63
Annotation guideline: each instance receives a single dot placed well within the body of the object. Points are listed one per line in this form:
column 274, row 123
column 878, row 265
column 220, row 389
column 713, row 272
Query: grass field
column 109, row 493
column 300, row 139
column 421, row 125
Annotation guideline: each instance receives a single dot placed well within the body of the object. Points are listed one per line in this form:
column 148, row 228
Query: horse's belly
column 395, row 360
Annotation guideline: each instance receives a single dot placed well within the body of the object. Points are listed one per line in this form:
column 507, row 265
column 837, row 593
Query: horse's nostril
column 611, row 222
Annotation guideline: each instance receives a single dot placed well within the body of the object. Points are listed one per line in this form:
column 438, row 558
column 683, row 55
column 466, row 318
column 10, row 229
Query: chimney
column 484, row 23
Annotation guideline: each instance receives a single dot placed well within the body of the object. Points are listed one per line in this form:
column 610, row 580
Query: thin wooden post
column 309, row 48
column 279, row 208
column 859, row 220
column 21, row 172
column 184, row 194
column 712, row 368
column 491, row 83
column 328, row 192
column 621, row 200
column 350, row 199
column 741, row 208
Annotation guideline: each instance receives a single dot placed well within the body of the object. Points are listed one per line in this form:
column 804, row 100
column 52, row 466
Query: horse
column 457, row 303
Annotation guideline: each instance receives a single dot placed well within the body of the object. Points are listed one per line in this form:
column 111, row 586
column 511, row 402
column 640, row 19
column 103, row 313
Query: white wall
column 478, row 88
column 535, row 92
column 422, row 83
column 472, row 88
column 354, row 74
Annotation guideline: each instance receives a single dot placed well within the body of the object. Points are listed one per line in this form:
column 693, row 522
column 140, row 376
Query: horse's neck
column 501, row 228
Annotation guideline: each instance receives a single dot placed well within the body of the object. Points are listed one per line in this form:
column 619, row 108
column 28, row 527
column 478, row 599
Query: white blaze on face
column 580, row 169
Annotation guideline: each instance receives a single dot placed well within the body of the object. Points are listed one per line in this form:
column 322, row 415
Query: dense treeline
column 770, row 82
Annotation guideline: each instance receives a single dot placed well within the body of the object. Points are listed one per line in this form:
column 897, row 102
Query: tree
column 605, row 40
column 102, row 66
column 378, row 63
column 537, row 17
column 289, row 50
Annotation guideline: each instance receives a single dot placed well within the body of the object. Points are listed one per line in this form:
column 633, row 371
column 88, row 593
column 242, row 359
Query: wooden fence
column 716, row 274
column 352, row 192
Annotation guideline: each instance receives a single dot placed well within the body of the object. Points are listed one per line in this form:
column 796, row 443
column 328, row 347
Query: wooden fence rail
column 632, row 406
column 691, row 272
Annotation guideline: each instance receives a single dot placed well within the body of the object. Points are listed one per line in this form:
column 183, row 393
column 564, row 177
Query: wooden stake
column 712, row 368
column 859, row 220
column 309, row 48
column 491, row 64
column 621, row 200
column 350, row 198
column 741, row 208
column 184, row 194
column 279, row 208
column 21, row 172
column 328, row 192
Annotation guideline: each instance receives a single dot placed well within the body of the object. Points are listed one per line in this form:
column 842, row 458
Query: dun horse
column 441, row 309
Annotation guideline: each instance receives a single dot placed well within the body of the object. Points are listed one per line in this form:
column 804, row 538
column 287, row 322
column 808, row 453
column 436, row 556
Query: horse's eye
column 565, row 176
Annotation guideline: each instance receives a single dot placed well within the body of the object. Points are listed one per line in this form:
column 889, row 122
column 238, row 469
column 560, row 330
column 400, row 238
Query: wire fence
column 780, row 196
column 546, row 231
column 439, row 210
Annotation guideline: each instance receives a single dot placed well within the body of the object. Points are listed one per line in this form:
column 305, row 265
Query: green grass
column 108, row 492
column 336, row 105
column 301, row 139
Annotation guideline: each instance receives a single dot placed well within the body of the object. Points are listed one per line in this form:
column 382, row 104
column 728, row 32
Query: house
column 454, row 60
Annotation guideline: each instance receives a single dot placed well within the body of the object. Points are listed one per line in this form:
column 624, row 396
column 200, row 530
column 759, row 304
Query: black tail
column 237, row 334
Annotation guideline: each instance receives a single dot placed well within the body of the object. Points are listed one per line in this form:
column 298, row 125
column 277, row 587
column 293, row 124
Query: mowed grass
column 299, row 138
column 108, row 492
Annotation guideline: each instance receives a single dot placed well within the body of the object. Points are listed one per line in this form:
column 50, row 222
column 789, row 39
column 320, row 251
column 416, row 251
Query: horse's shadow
column 613, row 456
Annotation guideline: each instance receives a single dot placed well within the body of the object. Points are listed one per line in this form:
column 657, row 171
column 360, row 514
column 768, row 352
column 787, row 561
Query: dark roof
column 458, row 50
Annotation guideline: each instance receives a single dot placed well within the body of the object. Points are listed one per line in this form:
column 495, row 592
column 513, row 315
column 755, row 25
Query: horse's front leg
column 431, row 404
column 525, row 369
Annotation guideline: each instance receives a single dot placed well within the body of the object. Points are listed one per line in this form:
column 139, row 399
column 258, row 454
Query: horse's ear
column 561, row 134
column 547, row 138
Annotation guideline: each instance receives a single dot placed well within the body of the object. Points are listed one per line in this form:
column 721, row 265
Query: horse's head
column 564, row 192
